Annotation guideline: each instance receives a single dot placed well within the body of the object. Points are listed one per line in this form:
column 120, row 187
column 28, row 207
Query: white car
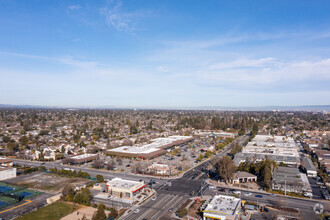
column 212, row 187
column 236, row 192
column 154, row 198
column 247, row 193
column 110, row 197
column 136, row 211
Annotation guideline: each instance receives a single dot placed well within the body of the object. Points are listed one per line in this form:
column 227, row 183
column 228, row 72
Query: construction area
column 46, row 182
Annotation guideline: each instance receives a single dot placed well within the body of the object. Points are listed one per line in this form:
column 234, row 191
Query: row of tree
column 70, row 173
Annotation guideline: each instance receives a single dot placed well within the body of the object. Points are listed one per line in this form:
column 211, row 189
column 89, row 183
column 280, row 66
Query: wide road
column 155, row 209
column 92, row 172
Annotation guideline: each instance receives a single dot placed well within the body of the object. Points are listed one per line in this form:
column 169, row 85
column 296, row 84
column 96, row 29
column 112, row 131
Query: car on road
column 308, row 194
column 153, row 198
column 136, row 211
column 222, row 190
column 259, row 196
column 110, row 197
column 170, row 210
column 237, row 192
column 212, row 187
column 247, row 193
column 168, row 183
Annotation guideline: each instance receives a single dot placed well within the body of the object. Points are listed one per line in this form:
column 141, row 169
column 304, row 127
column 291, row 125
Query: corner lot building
column 222, row 207
column 126, row 189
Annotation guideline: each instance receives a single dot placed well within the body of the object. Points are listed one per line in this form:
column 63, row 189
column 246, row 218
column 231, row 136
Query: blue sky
column 164, row 53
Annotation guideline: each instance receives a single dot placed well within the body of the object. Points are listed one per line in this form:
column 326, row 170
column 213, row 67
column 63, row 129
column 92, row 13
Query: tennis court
column 10, row 194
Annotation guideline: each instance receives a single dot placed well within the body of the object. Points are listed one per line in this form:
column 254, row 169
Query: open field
column 50, row 183
column 54, row 211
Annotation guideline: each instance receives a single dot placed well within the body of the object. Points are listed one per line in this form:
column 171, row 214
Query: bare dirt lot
column 49, row 183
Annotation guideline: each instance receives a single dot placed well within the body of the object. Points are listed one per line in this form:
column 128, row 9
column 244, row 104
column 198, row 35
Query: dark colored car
column 259, row 196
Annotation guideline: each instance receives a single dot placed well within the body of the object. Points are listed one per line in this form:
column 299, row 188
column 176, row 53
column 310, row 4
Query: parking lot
column 182, row 157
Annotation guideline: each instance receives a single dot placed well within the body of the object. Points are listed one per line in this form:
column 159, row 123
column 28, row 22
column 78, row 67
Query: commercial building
column 6, row 162
column 291, row 180
column 215, row 134
column 84, row 158
column 161, row 169
column 309, row 167
column 7, row 173
column 278, row 148
column 243, row 177
column 222, row 207
column 156, row 148
column 126, row 189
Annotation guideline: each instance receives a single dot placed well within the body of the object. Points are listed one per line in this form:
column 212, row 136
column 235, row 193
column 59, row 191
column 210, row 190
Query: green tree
column 114, row 213
column 226, row 168
column 100, row 178
column 99, row 214
column 200, row 157
column 208, row 154
column 24, row 140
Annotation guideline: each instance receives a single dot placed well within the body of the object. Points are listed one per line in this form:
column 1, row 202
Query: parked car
column 221, row 190
column 170, row 210
column 259, row 196
column 154, row 198
column 247, row 193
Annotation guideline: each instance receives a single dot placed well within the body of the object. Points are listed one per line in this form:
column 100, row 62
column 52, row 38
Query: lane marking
column 27, row 201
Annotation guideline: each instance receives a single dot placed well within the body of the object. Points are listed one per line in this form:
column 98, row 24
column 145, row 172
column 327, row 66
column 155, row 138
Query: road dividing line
column 27, row 201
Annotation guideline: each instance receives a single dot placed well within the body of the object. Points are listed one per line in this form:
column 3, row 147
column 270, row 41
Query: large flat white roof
column 222, row 205
column 83, row 156
column 155, row 145
column 272, row 145
column 124, row 184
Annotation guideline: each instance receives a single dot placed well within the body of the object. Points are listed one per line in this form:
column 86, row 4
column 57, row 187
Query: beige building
column 222, row 207
column 7, row 173
column 126, row 189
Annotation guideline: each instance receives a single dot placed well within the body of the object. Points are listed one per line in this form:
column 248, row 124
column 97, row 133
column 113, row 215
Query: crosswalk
column 158, row 208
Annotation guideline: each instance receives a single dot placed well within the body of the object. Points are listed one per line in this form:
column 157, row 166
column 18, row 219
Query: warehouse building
column 156, row 148
column 291, row 180
column 309, row 167
column 278, row 148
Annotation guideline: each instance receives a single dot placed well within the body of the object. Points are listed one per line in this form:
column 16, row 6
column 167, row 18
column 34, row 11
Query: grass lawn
column 54, row 211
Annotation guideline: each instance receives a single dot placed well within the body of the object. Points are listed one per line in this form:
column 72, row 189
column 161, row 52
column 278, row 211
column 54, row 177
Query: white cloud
column 162, row 69
column 64, row 60
column 241, row 63
column 114, row 17
column 74, row 7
